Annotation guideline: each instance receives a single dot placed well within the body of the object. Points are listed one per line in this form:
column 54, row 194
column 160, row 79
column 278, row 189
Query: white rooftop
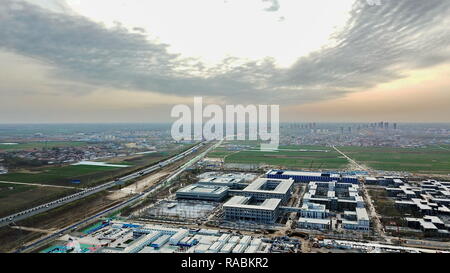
column 241, row 202
column 361, row 214
column 282, row 187
column 204, row 189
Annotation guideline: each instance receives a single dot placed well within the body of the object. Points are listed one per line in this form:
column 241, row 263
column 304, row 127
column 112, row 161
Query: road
column 33, row 229
column 427, row 244
column 90, row 191
column 194, row 160
column 387, row 246
column 126, row 203
column 353, row 163
column 373, row 213
column 40, row 185
column 56, row 234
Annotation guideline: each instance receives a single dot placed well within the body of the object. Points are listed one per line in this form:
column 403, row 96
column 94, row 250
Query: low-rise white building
column 361, row 223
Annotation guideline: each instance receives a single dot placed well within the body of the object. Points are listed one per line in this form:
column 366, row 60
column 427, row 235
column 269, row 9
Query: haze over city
column 131, row 61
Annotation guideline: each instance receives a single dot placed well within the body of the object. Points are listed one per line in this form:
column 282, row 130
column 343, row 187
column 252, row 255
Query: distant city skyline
column 122, row 61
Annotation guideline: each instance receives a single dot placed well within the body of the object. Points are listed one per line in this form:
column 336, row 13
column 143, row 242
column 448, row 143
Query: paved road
column 373, row 213
column 55, row 235
column 194, row 160
column 40, row 185
column 353, row 162
column 90, row 191
column 54, row 204
column 427, row 243
column 133, row 199
column 386, row 246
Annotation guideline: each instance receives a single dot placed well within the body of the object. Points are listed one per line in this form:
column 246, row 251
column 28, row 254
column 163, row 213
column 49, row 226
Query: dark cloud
column 139, row 29
column 378, row 43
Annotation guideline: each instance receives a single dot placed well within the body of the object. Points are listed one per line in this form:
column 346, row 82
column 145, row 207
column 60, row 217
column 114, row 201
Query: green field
column 141, row 160
column 315, row 157
column 433, row 159
column 63, row 175
column 60, row 175
column 220, row 153
column 22, row 196
column 41, row 145
column 226, row 148
column 18, row 197
column 423, row 160
column 14, row 198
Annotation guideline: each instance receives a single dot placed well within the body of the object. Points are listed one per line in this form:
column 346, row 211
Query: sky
column 133, row 60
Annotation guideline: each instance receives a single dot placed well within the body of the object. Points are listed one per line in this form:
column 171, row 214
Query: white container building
column 160, row 241
column 175, row 239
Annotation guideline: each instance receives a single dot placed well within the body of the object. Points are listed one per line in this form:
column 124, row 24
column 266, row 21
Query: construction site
column 221, row 211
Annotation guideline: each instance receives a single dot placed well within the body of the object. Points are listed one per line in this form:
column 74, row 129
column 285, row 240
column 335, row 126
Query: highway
column 74, row 226
column 128, row 202
column 90, row 191
column 40, row 185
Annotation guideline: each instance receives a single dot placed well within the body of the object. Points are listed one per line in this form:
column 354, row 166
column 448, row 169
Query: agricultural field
column 220, row 153
column 14, row 198
column 41, row 145
column 293, row 156
column 87, row 174
column 232, row 147
column 433, row 159
column 142, row 160
column 61, row 175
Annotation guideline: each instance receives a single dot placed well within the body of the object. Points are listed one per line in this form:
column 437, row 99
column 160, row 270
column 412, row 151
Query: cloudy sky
column 132, row 60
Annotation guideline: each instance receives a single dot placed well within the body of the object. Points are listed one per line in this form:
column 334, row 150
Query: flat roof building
column 203, row 192
column 314, row 223
column 231, row 182
column 266, row 188
column 334, row 195
column 323, row 197
column 312, row 210
column 241, row 208
column 384, row 180
column 314, row 216
column 358, row 220
column 302, row 176
column 429, row 197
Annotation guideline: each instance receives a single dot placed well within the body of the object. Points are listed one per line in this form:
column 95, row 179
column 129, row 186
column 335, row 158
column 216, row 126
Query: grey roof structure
column 203, row 192
column 259, row 185
column 196, row 188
